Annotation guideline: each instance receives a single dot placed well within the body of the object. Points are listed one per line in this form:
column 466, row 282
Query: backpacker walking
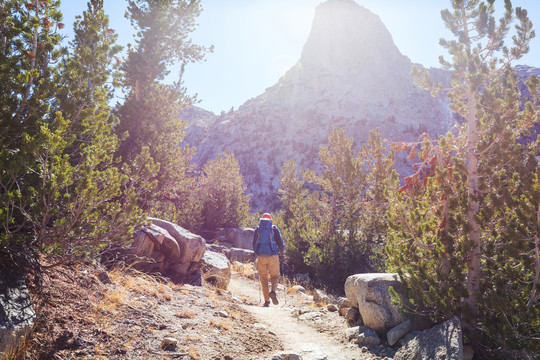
column 267, row 244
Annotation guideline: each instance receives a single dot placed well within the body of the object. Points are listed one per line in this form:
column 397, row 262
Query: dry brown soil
column 79, row 317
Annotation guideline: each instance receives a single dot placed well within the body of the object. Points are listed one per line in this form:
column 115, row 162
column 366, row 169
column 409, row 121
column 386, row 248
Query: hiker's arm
column 279, row 240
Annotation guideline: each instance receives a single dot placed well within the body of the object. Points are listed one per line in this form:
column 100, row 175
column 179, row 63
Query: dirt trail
column 297, row 336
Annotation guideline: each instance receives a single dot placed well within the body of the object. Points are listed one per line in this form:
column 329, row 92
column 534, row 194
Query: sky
column 257, row 41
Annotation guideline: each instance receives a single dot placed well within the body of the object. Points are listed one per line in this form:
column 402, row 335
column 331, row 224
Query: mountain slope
column 350, row 75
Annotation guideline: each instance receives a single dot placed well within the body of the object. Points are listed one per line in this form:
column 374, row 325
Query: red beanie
column 267, row 216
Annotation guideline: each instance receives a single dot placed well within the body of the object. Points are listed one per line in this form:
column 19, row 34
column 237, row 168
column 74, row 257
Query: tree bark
column 473, row 278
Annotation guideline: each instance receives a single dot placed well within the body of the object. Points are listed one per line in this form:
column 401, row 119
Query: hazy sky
column 256, row 41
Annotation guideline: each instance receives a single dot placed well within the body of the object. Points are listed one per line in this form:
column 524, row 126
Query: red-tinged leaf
column 29, row 6
column 61, row 25
column 46, row 23
column 425, row 135
column 412, row 154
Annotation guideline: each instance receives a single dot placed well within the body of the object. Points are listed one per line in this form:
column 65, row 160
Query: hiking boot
column 266, row 304
column 273, row 296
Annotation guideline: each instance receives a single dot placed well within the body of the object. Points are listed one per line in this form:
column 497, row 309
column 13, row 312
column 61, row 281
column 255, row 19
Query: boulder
column 369, row 292
column 344, row 303
column 241, row 238
column 167, row 242
column 442, row 341
column 16, row 314
column 192, row 246
column 163, row 248
column 142, row 245
column 241, row 255
column 320, row 297
column 216, row 269
column 352, row 316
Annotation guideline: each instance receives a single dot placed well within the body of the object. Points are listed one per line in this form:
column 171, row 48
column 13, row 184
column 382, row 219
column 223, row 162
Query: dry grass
column 235, row 314
column 244, row 269
column 141, row 283
column 221, row 324
column 194, row 338
column 194, row 353
column 185, row 314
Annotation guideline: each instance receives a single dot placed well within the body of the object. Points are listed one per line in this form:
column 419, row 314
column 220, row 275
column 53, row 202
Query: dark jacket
column 277, row 239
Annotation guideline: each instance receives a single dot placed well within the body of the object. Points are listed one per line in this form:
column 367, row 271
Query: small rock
column 397, row 332
column 320, row 297
column 104, row 278
column 331, row 307
column 304, row 309
column 309, row 316
column 260, row 326
column 296, row 288
column 352, row 316
column 223, row 313
column 301, row 277
column 351, row 333
column 291, row 357
column 169, row 343
column 368, row 337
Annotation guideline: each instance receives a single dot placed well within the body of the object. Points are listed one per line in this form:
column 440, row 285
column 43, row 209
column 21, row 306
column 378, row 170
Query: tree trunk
column 473, row 278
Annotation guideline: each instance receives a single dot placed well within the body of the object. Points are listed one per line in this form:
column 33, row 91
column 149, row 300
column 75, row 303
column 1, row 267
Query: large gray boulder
column 241, row 238
column 216, row 269
column 164, row 248
column 441, row 342
column 191, row 246
column 241, row 255
column 370, row 294
column 16, row 314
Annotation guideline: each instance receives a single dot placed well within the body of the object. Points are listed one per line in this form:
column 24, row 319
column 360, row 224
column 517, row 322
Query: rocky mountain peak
column 348, row 37
column 350, row 75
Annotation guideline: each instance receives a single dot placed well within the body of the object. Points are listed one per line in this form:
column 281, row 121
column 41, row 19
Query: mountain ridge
column 350, row 75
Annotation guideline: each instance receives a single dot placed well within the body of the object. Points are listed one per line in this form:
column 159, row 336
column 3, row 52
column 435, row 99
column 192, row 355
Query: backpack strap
column 257, row 241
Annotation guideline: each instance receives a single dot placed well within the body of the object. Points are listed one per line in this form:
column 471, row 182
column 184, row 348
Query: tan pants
column 266, row 265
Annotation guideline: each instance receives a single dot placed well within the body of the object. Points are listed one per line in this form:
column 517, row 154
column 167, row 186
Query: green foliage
column 464, row 228
column 333, row 232
column 149, row 114
column 62, row 191
column 223, row 194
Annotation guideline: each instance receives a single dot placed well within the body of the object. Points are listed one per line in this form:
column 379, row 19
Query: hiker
column 267, row 243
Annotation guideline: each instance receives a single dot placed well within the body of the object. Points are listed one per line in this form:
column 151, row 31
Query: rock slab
column 441, row 342
column 216, row 269
column 16, row 314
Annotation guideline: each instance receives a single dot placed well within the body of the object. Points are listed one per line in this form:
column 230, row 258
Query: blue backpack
column 265, row 244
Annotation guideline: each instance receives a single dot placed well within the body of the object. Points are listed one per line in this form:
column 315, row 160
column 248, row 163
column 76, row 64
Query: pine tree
column 62, row 192
column 343, row 221
column 455, row 228
column 149, row 114
column 223, row 194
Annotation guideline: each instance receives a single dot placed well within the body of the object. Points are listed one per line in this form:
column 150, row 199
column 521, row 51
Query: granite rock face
column 16, row 313
column 350, row 75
